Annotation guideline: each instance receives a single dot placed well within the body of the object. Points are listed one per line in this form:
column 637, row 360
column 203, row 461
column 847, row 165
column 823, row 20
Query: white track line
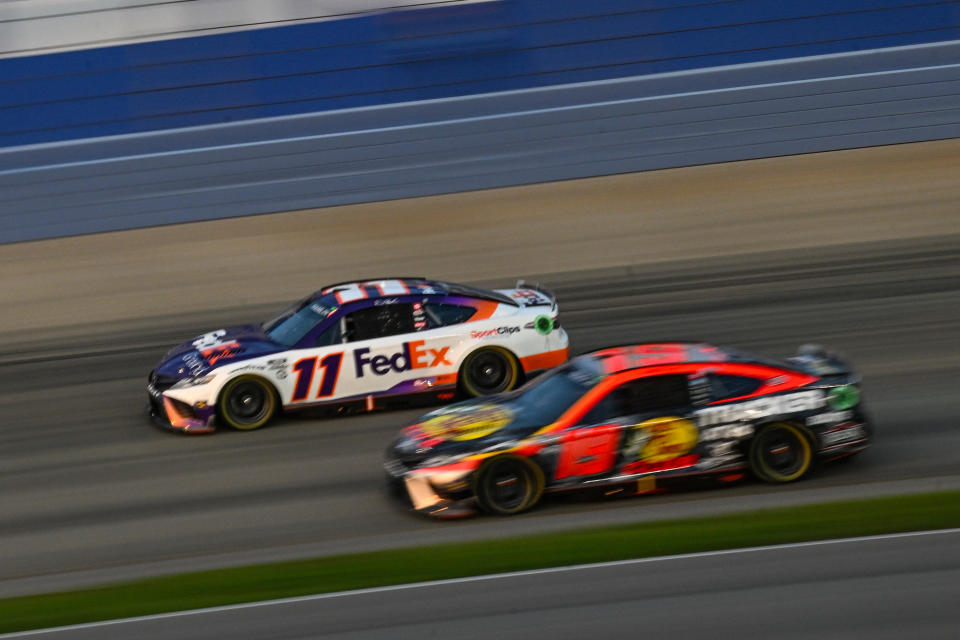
column 495, row 576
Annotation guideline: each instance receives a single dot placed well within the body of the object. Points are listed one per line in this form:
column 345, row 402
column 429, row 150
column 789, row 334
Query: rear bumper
column 543, row 361
column 844, row 440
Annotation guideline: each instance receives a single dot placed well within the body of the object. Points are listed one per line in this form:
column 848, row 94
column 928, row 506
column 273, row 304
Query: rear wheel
column 780, row 453
column 247, row 403
column 509, row 485
column 488, row 371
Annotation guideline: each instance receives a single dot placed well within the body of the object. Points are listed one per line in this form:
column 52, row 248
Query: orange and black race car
column 630, row 420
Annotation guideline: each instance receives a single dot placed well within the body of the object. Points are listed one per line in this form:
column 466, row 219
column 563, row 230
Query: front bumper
column 174, row 415
column 420, row 487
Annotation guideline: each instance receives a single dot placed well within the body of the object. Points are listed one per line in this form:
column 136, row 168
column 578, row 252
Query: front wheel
column 781, row 453
column 488, row 371
column 509, row 485
column 247, row 403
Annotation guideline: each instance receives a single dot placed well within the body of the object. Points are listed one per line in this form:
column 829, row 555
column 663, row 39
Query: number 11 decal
column 305, row 369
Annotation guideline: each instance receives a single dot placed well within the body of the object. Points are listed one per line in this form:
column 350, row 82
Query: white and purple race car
column 366, row 344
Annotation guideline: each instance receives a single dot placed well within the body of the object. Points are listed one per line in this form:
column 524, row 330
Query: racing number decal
column 331, row 372
column 358, row 290
column 305, row 368
column 588, row 451
column 388, row 287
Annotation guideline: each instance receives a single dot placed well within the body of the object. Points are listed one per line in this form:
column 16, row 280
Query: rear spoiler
column 523, row 284
column 820, row 361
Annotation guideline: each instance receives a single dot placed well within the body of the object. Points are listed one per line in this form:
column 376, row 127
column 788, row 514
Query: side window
column 657, row 393
column 444, row 315
column 379, row 322
column 331, row 335
column 723, row 385
column 613, row 405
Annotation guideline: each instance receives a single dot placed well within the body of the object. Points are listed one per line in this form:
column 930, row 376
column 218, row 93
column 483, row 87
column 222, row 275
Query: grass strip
column 939, row 510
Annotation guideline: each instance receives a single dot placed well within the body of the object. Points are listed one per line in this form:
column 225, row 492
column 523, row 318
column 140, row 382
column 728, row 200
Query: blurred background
column 756, row 173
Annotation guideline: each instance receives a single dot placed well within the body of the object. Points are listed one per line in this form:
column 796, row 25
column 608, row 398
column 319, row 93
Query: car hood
column 215, row 349
column 466, row 427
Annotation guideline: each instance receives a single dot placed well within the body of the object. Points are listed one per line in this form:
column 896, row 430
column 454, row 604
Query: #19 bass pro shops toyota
column 632, row 420
column 360, row 344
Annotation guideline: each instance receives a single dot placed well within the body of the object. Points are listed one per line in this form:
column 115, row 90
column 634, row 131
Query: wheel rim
column 248, row 403
column 489, row 372
column 784, row 454
column 507, row 486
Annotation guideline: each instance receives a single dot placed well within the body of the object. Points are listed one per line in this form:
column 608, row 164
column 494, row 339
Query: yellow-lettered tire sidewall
column 272, row 400
column 534, row 475
column 469, row 390
column 764, row 472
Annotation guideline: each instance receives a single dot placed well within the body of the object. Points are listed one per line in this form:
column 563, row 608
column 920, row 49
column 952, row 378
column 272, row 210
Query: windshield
column 549, row 397
column 292, row 325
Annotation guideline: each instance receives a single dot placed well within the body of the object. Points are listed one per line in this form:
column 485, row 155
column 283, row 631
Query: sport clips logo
column 499, row 331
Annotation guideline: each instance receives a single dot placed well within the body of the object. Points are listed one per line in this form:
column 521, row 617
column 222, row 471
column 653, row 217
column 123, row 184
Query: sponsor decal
column 829, row 417
column 250, row 367
column 762, row 408
column 660, row 439
column 419, row 317
column 413, row 355
column 721, row 449
column 382, row 302
column 720, row 454
column 727, row 432
column 208, row 340
column 645, row 466
column 699, row 388
column 526, row 296
column 468, row 423
column 221, row 351
column 499, row 331
column 845, row 397
column 843, row 435
column 195, row 363
column 278, row 366
column 543, row 324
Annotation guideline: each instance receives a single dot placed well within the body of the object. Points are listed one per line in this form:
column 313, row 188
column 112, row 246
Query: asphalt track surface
column 89, row 485
column 892, row 587
column 91, row 493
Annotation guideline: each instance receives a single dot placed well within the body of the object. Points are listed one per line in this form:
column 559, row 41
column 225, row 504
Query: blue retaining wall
column 430, row 53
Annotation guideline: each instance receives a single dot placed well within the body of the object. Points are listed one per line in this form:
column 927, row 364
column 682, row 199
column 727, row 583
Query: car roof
column 635, row 356
column 417, row 286
column 369, row 285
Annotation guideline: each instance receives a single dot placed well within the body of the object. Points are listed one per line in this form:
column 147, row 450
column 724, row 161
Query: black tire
column 488, row 371
column 247, row 403
column 508, row 485
column 781, row 452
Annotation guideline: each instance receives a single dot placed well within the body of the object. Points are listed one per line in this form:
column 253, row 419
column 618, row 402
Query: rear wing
column 523, row 284
column 531, row 295
column 819, row 361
